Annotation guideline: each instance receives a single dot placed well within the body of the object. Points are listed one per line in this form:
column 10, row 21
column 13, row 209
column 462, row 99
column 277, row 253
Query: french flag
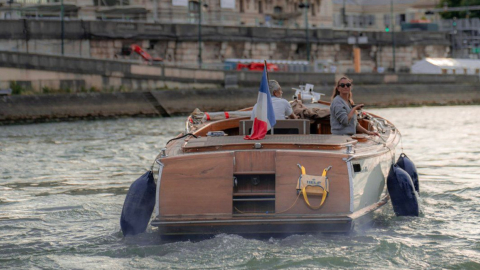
column 264, row 115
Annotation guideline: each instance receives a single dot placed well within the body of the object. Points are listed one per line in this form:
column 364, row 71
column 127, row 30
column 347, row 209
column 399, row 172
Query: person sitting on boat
column 343, row 114
column 281, row 107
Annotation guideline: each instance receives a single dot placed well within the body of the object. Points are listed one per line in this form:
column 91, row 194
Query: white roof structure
column 446, row 66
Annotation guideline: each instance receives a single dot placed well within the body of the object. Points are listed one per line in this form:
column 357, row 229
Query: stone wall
column 14, row 109
column 178, row 43
column 37, row 71
column 50, row 107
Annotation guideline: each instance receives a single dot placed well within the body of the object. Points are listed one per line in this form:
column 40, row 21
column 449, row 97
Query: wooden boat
column 209, row 183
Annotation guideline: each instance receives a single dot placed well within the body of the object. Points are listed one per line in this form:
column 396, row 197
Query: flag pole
column 268, row 80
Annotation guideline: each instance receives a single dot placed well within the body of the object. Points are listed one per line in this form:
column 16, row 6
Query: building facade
column 364, row 15
column 215, row 30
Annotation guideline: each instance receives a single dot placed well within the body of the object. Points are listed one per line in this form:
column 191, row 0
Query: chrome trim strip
column 350, row 180
column 157, row 194
column 156, row 222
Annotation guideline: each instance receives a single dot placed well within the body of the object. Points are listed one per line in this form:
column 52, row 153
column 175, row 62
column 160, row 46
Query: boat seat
column 291, row 126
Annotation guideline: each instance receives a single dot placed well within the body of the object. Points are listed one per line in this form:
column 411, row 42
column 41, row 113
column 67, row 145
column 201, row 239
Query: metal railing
column 461, row 24
column 21, row 9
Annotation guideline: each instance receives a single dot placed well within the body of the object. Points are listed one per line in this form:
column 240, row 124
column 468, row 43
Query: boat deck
column 270, row 141
column 312, row 141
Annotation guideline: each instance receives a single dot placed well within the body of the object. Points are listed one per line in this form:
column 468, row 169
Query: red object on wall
column 146, row 56
column 420, row 21
column 257, row 66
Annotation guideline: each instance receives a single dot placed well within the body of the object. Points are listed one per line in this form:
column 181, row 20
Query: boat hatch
column 314, row 142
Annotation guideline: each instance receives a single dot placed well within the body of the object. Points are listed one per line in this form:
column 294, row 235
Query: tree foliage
column 460, row 14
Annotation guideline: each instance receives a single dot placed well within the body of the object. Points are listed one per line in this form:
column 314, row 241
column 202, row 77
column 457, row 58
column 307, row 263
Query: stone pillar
column 170, row 52
column 247, row 51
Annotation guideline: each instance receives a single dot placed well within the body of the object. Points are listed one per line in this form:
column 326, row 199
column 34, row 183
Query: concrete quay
column 41, row 108
column 132, row 89
column 36, row 72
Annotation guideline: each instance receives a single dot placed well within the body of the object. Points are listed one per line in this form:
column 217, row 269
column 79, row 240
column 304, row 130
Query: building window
column 312, row 7
column 277, row 10
column 410, row 16
column 193, row 7
column 386, row 19
column 242, row 9
column 109, row 3
column 371, row 20
column 260, row 7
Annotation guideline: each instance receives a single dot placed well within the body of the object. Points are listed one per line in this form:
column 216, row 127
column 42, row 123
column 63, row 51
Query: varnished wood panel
column 364, row 123
column 273, row 146
column 270, row 142
column 219, row 125
column 287, row 175
column 323, row 126
column 246, row 161
column 198, row 184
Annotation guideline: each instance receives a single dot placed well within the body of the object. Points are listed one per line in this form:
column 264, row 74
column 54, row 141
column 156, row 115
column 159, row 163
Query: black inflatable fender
column 402, row 192
column 138, row 206
column 407, row 165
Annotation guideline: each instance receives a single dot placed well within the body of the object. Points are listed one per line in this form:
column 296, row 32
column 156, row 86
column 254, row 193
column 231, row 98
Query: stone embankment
column 37, row 72
column 178, row 43
column 136, row 88
column 40, row 108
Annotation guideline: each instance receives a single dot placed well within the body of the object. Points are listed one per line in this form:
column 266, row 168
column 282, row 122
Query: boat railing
column 291, row 126
column 378, row 123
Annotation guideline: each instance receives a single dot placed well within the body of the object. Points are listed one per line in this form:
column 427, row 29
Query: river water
column 62, row 187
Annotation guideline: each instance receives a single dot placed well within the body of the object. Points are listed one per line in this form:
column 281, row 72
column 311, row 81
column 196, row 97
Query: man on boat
column 281, row 107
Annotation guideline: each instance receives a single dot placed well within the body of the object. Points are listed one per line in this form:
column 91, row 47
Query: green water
column 62, row 187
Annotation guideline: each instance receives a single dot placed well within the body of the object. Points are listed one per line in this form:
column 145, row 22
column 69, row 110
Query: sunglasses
column 343, row 85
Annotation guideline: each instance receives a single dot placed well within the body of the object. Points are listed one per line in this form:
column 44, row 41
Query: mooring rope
column 181, row 137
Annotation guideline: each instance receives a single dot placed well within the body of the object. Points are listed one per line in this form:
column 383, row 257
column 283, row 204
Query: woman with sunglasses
column 343, row 115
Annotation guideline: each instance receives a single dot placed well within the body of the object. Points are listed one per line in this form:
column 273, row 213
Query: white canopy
column 447, row 66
